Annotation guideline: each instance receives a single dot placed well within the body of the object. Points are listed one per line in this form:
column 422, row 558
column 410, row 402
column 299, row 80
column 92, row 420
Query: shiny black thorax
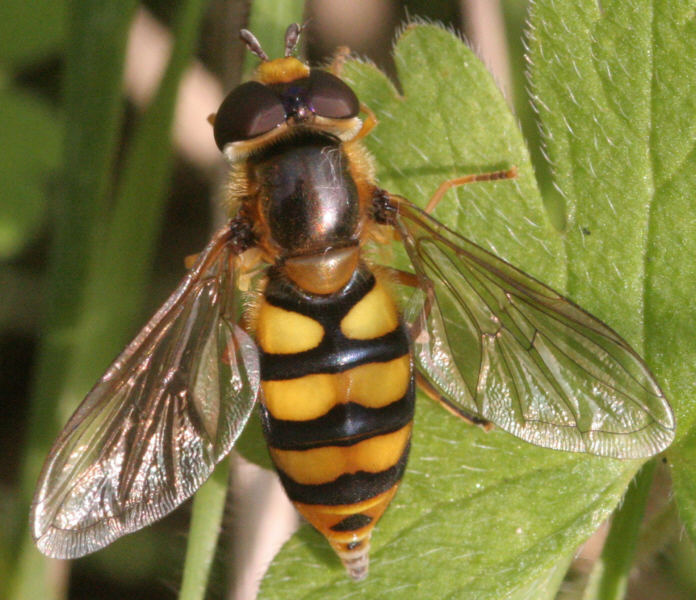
column 310, row 198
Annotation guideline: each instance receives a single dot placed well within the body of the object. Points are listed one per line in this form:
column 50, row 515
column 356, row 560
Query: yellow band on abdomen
column 373, row 385
column 281, row 331
column 325, row 464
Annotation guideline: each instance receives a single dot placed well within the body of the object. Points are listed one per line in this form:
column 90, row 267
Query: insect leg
column 336, row 68
column 340, row 57
column 457, row 411
column 445, row 186
column 401, row 277
column 385, row 206
column 247, row 260
column 411, row 280
column 190, row 260
column 368, row 124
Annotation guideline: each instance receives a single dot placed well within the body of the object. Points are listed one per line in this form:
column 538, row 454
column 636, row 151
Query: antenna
column 292, row 36
column 254, row 45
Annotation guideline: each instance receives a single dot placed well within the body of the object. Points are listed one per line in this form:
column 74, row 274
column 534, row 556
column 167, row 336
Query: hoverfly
column 329, row 350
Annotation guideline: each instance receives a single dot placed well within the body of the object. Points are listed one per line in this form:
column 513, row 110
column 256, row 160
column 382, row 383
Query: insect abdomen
column 338, row 404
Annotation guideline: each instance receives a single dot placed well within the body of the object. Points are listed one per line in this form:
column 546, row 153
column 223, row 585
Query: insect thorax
column 309, row 202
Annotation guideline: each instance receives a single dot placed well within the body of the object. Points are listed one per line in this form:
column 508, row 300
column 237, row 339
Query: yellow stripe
column 373, row 385
column 378, row 384
column 303, row 398
column 322, row 465
column 323, row 516
column 281, row 331
column 373, row 316
column 336, row 512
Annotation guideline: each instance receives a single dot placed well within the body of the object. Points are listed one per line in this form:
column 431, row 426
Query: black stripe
column 327, row 309
column 349, row 488
column 334, row 354
column 352, row 523
column 344, row 425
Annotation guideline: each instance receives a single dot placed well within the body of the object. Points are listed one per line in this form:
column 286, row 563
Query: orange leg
column 402, row 277
column 445, row 186
column 411, row 280
column 340, row 57
column 433, row 394
column 190, row 260
column 368, row 124
column 336, row 68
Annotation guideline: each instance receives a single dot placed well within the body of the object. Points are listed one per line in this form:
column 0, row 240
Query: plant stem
column 208, row 509
column 609, row 578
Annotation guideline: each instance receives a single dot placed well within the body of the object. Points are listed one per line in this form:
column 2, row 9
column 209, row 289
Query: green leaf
column 452, row 121
column 478, row 515
column 683, row 468
column 616, row 93
column 31, row 148
column 592, row 92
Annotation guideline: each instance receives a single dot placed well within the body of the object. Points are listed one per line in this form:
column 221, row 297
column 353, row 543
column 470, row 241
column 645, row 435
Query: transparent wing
column 155, row 425
column 501, row 345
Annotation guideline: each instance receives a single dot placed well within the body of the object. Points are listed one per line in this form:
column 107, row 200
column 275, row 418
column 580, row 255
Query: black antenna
column 292, row 36
column 253, row 44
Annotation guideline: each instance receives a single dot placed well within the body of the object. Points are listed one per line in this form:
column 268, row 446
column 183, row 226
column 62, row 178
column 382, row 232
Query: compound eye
column 330, row 97
column 249, row 110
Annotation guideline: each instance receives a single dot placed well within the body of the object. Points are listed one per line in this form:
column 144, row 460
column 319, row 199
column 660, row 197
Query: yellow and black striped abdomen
column 338, row 404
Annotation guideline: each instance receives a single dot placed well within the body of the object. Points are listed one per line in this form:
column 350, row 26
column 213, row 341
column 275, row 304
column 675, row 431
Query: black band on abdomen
column 334, row 354
column 352, row 523
column 344, row 425
column 349, row 488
